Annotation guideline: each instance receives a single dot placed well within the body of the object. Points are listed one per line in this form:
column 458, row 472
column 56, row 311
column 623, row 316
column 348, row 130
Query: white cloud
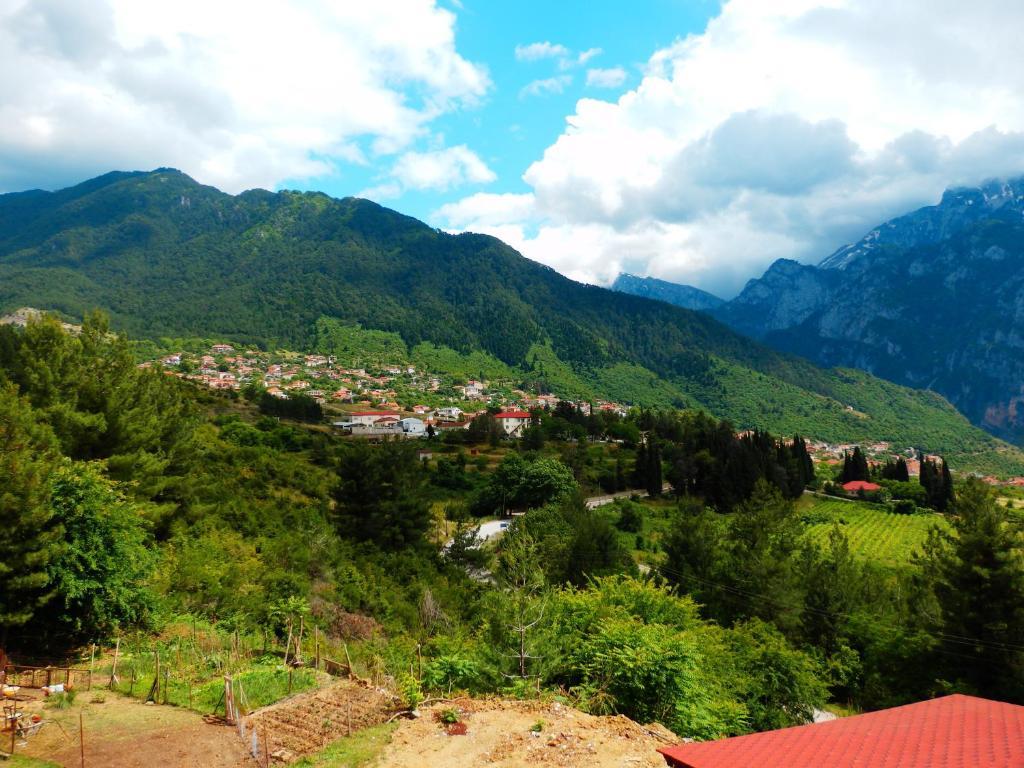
column 587, row 55
column 237, row 93
column 536, row 51
column 606, row 78
column 441, row 169
column 545, row 86
column 785, row 129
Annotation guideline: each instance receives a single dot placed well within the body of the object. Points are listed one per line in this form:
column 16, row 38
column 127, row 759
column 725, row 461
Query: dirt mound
column 308, row 722
column 503, row 733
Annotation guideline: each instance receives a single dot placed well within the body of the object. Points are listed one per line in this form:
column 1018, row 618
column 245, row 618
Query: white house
column 372, row 417
column 513, row 422
column 449, row 414
column 413, row 427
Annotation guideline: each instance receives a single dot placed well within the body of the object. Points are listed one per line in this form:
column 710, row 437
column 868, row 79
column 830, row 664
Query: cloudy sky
column 689, row 140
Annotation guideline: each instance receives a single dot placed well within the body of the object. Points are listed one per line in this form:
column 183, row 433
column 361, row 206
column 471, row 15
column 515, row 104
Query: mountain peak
column 685, row 296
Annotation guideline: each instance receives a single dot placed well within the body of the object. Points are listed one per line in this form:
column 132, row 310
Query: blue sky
column 510, row 129
column 702, row 142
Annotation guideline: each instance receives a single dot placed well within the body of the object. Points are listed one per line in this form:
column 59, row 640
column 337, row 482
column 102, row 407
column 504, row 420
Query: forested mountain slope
column 166, row 256
column 933, row 299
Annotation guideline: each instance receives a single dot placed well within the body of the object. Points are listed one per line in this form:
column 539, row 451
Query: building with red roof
column 950, row 732
column 513, row 422
column 854, row 486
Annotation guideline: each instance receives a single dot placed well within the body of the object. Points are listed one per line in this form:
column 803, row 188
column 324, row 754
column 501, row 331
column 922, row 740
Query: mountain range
column 168, row 258
column 933, row 300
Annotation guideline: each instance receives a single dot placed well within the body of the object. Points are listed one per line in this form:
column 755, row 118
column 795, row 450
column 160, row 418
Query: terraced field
column 875, row 533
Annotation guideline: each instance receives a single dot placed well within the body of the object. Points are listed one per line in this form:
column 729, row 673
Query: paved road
column 599, row 501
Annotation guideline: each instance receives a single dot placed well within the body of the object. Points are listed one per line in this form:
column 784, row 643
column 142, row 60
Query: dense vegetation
column 137, row 498
column 168, row 257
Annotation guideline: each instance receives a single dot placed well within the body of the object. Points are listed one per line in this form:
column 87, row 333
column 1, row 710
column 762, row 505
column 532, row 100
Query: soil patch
column 308, row 722
column 125, row 733
column 520, row 734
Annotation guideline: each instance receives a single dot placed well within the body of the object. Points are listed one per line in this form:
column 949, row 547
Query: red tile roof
column 375, row 413
column 513, row 415
column 951, row 732
column 861, row 485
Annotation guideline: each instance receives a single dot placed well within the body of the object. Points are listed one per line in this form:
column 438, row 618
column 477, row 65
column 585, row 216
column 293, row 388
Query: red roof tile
column 375, row 413
column 951, row 732
column 512, row 415
column 860, row 485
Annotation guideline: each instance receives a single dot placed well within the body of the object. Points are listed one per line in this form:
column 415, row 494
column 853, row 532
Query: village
column 400, row 401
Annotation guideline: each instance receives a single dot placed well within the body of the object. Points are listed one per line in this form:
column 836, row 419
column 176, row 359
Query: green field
column 875, row 533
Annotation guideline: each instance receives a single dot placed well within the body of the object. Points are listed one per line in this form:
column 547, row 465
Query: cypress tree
column 653, row 480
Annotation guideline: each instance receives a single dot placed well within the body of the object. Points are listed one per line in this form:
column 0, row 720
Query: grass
column 352, row 751
column 263, row 682
column 23, row 761
column 875, row 533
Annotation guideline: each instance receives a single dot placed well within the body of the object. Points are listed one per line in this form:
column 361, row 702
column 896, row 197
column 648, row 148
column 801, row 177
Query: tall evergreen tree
column 855, row 466
column 31, row 536
column 976, row 572
column 380, row 496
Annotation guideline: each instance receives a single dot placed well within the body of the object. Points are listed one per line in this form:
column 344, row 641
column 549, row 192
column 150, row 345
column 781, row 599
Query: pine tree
column 31, row 536
column 976, row 572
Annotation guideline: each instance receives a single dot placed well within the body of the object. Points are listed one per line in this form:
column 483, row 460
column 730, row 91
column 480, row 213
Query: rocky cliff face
column 933, row 299
column 685, row 296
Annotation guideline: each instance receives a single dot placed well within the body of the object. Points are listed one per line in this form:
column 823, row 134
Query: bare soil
column 498, row 733
column 306, row 723
column 125, row 733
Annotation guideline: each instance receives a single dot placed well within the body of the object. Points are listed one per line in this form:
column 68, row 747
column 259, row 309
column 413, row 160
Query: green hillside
column 166, row 256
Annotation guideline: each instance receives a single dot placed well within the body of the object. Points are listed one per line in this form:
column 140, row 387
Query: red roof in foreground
column 860, row 485
column 512, row 415
column 952, row 732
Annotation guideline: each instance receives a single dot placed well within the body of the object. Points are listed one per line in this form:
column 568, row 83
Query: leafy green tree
column 520, row 483
column 779, row 685
column 101, row 578
column 31, row 537
column 380, row 495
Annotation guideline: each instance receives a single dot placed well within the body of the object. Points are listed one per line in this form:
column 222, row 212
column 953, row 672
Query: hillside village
column 401, row 401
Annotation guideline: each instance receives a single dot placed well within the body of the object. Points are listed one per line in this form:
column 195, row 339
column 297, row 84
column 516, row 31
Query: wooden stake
column 229, row 700
column 92, row 661
column 288, row 644
column 290, row 670
column 81, row 738
column 298, row 646
column 316, row 646
column 349, row 707
column 113, row 668
column 266, row 748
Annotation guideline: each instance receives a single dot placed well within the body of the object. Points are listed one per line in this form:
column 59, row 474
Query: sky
column 692, row 140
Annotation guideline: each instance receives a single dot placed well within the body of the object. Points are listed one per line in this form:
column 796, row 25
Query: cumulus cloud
column 784, row 129
column 441, row 169
column 545, row 86
column 536, row 51
column 240, row 94
column 606, row 78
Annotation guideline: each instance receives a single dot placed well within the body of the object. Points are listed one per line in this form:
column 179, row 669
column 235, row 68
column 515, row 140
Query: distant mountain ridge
column 685, row 296
column 933, row 299
column 168, row 257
